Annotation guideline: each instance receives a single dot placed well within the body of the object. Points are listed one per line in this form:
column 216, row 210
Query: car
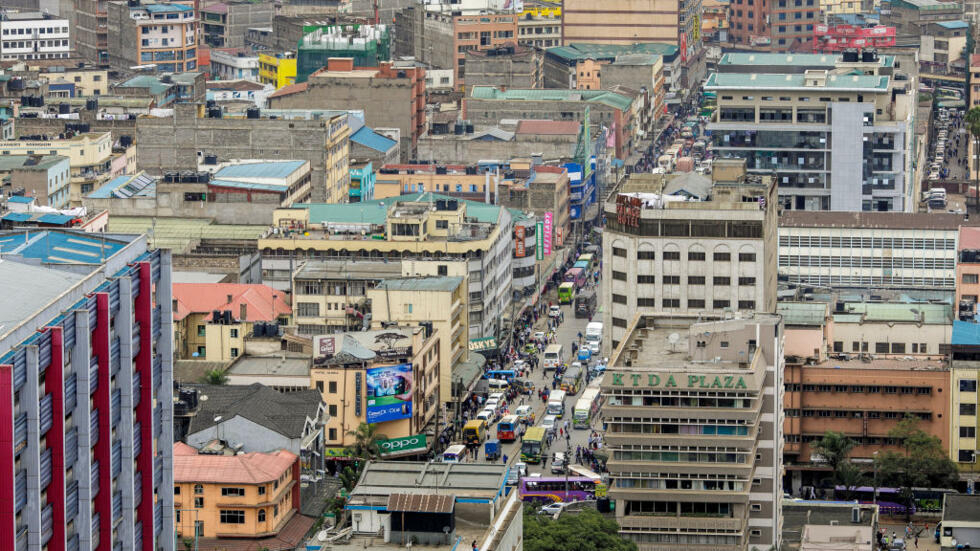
column 554, row 311
column 485, row 415
column 548, row 423
column 594, row 347
column 577, row 364
column 551, row 509
column 558, row 463
column 498, row 396
column 539, row 335
column 524, row 412
column 491, row 405
column 515, row 473
column 897, row 544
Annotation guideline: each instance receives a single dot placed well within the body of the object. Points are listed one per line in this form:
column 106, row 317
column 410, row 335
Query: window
column 756, row 506
column 619, row 299
column 968, row 432
column 695, row 280
column 671, row 303
column 718, row 280
column 966, row 456
column 442, row 224
column 332, row 387
column 176, row 490
column 646, row 302
column 620, row 276
column 755, row 533
column 332, row 435
column 198, row 489
column 646, row 279
column 319, row 386
column 838, row 346
column 746, row 281
column 719, row 304
column 722, row 257
column 308, row 309
column 672, row 255
column 332, row 410
column 695, row 256
column 746, row 305
column 198, row 502
column 968, row 409
column 672, row 280
column 240, row 492
column 619, row 252
column 646, row 255
column 201, row 330
column 881, row 348
column 442, row 270
column 695, row 303
column 233, row 333
column 747, row 257
column 261, row 517
column 968, row 385
column 234, row 352
column 232, row 516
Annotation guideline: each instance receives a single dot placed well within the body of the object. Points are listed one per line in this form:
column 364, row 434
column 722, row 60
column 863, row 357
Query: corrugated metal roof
column 421, row 503
column 17, row 216
column 611, row 99
column 20, row 199
column 803, row 313
column 265, row 169
column 375, row 211
column 52, row 218
column 430, row 283
column 248, row 468
column 162, row 8
column 369, row 138
column 249, row 185
column 954, row 24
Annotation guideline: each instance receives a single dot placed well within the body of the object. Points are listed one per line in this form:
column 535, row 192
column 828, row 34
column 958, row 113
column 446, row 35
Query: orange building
column 968, row 273
column 480, row 32
column 250, row 495
column 864, row 399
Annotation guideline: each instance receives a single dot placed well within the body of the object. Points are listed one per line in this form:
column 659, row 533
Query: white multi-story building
column 869, row 250
column 33, row 35
column 234, row 66
column 712, row 256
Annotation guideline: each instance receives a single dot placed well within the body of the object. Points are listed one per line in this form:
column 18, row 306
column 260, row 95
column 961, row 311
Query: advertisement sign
column 628, row 210
column 548, row 221
column 326, row 346
column 559, row 236
column 399, row 446
column 389, row 393
column 519, row 242
column 539, row 241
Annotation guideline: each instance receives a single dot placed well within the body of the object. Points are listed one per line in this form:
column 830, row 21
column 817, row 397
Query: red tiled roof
column 289, row 90
column 181, row 448
column 246, row 468
column 263, row 303
column 220, row 7
column 546, row 127
column 974, row 60
column 969, row 238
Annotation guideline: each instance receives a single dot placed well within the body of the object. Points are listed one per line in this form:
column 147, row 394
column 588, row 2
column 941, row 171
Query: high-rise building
column 158, row 36
column 664, row 254
column 694, row 415
column 86, row 378
column 838, row 137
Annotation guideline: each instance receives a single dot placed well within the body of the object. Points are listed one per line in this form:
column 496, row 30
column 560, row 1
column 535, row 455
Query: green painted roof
column 806, row 60
column 779, row 81
column 929, row 313
column 11, row 162
column 803, row 313
column 374, row 212
column 579, row 51
column 429, row 283
column 146, row 81
column 926, row 5
column 611, row 99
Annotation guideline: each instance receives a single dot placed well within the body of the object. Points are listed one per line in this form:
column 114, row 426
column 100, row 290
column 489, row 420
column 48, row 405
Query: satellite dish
column 321, row 535
column 204, row 398
column 673, row 338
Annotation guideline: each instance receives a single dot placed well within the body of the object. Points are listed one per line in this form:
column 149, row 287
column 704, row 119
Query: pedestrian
column 475, row 548
column 916, row 541
column 505, row 458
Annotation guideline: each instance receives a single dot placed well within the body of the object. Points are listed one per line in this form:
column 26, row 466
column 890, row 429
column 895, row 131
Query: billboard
column 548, row 222
column 394, row 446
column 519, row 250
column 539, row 240
column 389, row 393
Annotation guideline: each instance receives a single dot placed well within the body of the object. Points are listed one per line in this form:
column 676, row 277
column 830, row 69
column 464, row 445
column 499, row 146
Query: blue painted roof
column 267, row 169
column 248, row 185
column 105, row 190
column 954, row 24
column 162, row 8
column 55, row 219
column 369, row 138
column 17, row 216
column 966, row 333
column 129, row 185
column 60, row 248
column 20, row 199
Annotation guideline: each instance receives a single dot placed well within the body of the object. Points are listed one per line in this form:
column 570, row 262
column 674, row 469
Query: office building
column 651, row 65
column 694, row 431
column 87, row 371
column 862, row 250
column 224, row 24
column 160, row 37
column 836, row 140
column 942, row 46
column 455, row 238
column 234, row 65
column 33, row 35
column 331, row 295
column 964, row 447
column 247, row 495
column 909, row 17
column 661, row 253
column 441, row 302
column 539, row 25
column 507, row 67
column 356, row 371
column 967, row 273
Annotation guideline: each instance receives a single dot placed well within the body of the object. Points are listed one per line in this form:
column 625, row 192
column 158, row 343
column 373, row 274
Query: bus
column 475, row 431
column 507, row 429
column 533, row 445
column 586, row 408
column 566, row 292
column 571, row 380
column 582, row 264
column 556, row 404
column 454, row 454
column 889, row 500
column 585, row 304
column 589, row 259
column 552, row 357
column 576, row 276
column 551, row 489
column 505, row 374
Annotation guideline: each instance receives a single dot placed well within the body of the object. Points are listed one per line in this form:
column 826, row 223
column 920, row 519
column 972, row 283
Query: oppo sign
column 402, row 445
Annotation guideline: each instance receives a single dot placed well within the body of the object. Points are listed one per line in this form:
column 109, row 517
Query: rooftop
column 548, row 127
column 969, row 239
column 610, row 99
column 31, row 288
column 283, row 412
column 125, row 186
column 953, row 24
column 927, row 4
column 60, row 247
column 803, row 313
column 892, row 312
column 380, row 479
column 29, row 162
column 371, row 139
column 153, row 84
column 579, row 51
column 777, row 81
column 252, row 170
column 164, row 8
column 348, row 269
column 178, row 233
column 278, row 365
column 375, row 212
column 263, row 303
column 873, row 220
column 429, row 283
column 798, row 513
column 246, row 468
column 962, row 508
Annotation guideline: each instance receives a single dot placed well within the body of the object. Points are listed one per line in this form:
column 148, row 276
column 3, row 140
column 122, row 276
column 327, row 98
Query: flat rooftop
column 962, row 508
column 798, row 513
column 383, row 478
column 272, row 366
column 794, row 81
column 348, row 269
column 875, row 220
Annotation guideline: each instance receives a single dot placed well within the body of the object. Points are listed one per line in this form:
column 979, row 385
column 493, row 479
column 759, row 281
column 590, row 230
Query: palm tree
column 215, row 377
column 973, row 126
column 834, row 447
column 367, row 441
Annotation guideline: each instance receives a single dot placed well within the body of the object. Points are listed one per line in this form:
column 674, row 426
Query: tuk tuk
column 492, row 449
column 530, row 348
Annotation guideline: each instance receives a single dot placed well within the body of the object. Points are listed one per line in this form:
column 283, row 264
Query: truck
column 593, row 335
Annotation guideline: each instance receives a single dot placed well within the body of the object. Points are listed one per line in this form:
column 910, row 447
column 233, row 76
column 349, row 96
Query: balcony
column 701, row 523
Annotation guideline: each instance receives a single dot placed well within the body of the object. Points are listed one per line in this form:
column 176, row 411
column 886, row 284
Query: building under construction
column 368, row 45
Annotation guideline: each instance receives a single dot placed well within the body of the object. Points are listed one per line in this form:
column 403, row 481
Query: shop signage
column 548, row 224
column 393, row 446
column 688, row 381
column 519, row 242
column 539, row 241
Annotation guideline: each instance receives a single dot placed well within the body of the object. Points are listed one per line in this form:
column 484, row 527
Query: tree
column 834, row 447
column 921, row 463
column 585, row 531
column 367, row 442
column 215, row 377
column 973, row 126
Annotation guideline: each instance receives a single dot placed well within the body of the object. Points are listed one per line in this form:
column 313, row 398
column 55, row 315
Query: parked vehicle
column 491, row 449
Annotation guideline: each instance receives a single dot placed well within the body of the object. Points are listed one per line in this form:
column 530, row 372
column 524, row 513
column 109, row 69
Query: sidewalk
column 925, row 530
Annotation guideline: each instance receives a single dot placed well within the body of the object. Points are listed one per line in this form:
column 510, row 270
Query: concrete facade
column 163, row 35
column 224, row 24
column 468, row 149
column 33, row 36
column 506, row 67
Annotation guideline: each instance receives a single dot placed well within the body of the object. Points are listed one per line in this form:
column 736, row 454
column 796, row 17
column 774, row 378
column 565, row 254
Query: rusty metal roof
column 421, row 503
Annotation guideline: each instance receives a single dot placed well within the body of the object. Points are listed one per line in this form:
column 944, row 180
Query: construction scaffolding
column 367, row 44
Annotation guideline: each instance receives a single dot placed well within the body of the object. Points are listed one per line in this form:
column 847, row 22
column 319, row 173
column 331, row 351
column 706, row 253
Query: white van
column 553, row 357
column 593, row 336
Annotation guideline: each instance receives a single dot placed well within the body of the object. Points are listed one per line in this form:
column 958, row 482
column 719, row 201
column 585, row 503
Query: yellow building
column 89, row 155
column 279, row 69
column 331, row 295
column 441, row 301
column 199, row 335
column 249, row 495
column 338, row 160
column 387, row 377
column 965, row 423
column 88, row 81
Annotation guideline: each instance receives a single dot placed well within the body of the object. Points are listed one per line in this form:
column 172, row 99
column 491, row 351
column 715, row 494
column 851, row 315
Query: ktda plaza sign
column 656, row 380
